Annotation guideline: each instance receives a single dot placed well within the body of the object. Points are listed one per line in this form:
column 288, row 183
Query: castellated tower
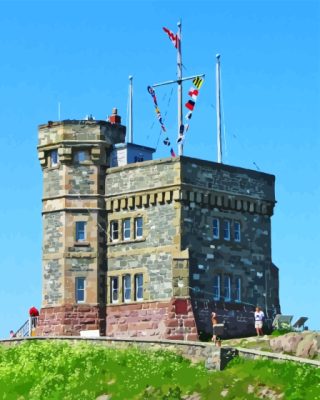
column 74, row 156
column 135, row 247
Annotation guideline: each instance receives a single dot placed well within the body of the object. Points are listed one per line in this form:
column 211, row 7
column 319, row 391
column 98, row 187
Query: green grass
column 57, row 370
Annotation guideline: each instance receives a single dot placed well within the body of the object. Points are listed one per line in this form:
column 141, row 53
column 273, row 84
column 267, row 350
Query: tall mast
column 179, row 80
column 219, row 146
column 130, row 136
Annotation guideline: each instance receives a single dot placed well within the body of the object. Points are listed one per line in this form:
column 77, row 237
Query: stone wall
column 139, row 177
column 70, row 320
column 227, row 179
column 239, row 196
column 214, row 358
column 172, row 320
column 73, row 191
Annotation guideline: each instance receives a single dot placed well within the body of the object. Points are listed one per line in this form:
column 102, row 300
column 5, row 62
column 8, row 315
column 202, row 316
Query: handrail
column 27, row 328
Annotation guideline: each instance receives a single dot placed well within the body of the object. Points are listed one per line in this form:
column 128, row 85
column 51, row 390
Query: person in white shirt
column 258, row 320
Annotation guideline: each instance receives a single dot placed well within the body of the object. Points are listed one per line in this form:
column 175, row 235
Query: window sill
column 125, row 303
column 52, row 167
column 126, row 241
column 81, row 244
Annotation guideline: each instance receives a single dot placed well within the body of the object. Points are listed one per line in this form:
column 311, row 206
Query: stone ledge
column 215, row 358
column 246, row 353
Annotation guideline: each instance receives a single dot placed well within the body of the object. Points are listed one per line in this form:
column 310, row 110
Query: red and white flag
column 193, row 93
column 190, row 105
column 174, row 38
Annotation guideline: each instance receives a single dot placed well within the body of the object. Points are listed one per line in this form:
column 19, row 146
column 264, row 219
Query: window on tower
column 54, row 158
column 216, row 287
column 81, row 156
column 81, row 231
column 114, row 289
column 227, row 288
column 226, row 229
column 216, row 225
column 237, row 231
column 114, row 230
column 138, row 280
column 126, row 229
column 138, row 225
column 238, row 289
column 126, row 282
column 80, row 289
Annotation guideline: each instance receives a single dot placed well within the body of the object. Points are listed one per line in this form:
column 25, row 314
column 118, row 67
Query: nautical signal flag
column 197, row 82
column 190, row 105
column 189, row 115
column 193, row 93
column 166, row 141
column 174, row 38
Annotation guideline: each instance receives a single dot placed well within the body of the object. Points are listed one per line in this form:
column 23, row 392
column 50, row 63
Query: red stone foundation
column 69, row 320
column 171, row 319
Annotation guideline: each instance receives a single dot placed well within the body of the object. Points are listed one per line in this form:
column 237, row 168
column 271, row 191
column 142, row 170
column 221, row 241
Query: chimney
column 115, row 118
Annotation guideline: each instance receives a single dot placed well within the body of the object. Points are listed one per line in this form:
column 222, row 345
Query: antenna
column 218, row 101
column 130, row 136
column 59, row 111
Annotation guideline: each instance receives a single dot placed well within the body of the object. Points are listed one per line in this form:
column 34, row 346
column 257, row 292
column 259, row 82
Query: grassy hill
column 43, row 370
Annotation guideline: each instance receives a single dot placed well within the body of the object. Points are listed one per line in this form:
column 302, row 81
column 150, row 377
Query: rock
column 104, row 397
column 301, row 344
column 309, row 346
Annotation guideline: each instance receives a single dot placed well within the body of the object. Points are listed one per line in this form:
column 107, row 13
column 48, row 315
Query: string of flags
column 166, row 141
column 190, row 104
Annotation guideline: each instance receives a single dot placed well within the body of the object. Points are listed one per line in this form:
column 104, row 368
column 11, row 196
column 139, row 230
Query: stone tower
column 135, row 247
column 74, row 156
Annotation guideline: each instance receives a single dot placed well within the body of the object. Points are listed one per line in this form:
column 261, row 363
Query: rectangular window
column 80, row 290
column 138, row 226
column 216, row 227
column 226, row 230
column 138, row 280
column 237, row 232
column 126, row 229
column 238, row 289
column 114, row 230
column 80, row 231
column 114, row 289
column 126, row 287
column 216, row 287
column 81, row 155
column 54, row 158
column 227, row 288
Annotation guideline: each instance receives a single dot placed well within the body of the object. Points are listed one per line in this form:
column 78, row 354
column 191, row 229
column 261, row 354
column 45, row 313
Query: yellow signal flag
column 198, row 82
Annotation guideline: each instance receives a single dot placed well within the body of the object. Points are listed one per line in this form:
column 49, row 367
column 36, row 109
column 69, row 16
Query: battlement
column 65, row 135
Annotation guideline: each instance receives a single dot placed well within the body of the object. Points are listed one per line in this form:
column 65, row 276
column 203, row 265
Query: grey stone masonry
column 73, row 156
column 188, row 235
column 178, row 199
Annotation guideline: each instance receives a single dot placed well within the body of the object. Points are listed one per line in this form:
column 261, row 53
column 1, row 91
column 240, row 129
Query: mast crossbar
column 177, row 80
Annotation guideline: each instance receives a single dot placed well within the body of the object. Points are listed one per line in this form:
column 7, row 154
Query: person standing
column 214, row 321
column 258, row 321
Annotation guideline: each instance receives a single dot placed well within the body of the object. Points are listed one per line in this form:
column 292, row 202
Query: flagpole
column 219, row 147
column 179, row 76
column 130, row 110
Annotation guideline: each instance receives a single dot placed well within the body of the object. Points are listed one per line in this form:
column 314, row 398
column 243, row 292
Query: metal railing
column 28, row 328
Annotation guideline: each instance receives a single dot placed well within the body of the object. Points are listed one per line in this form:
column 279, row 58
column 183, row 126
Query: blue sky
column 81, row 53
